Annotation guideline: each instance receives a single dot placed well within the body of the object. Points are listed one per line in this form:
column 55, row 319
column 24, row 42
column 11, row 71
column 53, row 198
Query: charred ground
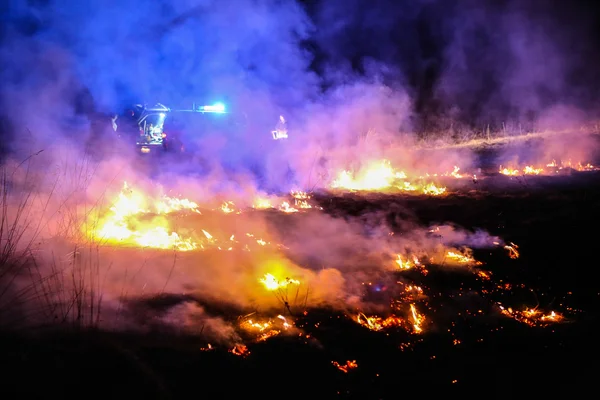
column 470, row 349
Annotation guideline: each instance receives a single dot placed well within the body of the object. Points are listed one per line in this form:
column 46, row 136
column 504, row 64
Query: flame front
column 380, row 176
column 404, row 264
column 376, row 323
column 116, row 225
column 413, row 323
column 417, row 319
column 267, row 328
column 547, row 168
column 271, row 283
column 138, row 219
column 462, row 258
column 532, row 316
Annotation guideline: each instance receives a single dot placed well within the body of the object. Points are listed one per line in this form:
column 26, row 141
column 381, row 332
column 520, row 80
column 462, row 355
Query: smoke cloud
column 340, row 75
column 355, row 82
column 511, row 62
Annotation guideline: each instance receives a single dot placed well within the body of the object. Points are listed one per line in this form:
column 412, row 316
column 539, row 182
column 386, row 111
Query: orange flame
column 532, row 316
column 345, row 367
column 418, row 319
column 380, row 176
column 240, row 350
column 266, row 329
column 512, row 250
column 376, row 323
column 114, row 226
column 549, row 167
column 271, row 283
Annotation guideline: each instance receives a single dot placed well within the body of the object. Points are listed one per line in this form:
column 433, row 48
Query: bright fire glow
column 485, row 275
column 532, row 316
column 240, row 350
column 380, row 176
column 376, row 323
column 265, row 329
column 228, row 207
column 462, row 258
column 548, row 168
column 513, row 251
column 116, row 225
column 407, row 264
column 345, row 367
column 417, row 318
column 262, row 204
column 413, row 323
column 271, row 283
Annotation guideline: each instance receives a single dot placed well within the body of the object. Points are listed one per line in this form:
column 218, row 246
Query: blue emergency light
column 215, row 108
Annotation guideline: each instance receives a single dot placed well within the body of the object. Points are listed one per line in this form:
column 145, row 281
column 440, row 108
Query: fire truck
column 158, row 128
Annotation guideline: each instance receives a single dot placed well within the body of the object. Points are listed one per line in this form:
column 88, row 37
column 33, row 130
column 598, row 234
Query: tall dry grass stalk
column 37, row 208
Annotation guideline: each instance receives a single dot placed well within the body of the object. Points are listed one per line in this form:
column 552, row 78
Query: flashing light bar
column 216, row 108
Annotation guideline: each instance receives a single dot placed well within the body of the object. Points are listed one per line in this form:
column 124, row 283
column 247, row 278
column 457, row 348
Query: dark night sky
column 472, row 61
column 418, row 38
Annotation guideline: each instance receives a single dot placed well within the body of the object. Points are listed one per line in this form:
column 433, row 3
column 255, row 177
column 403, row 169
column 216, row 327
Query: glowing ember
column 484, row 275
column 261, row 326
column 267, row 328
column 345, row 367
column 271, row 283
column 412, row 288
column 240, row 350
column 532, row 316
column 512, row 250
column 410, row 294
column 376, row 323
column 208, row 347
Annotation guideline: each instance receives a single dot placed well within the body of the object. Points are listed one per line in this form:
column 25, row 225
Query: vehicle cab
column 151, row 137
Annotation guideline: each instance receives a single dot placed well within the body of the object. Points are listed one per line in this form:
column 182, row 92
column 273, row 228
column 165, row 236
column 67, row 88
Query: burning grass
column 381, row 176
column 552, row 167
column 140, row 220
column 303, row 271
